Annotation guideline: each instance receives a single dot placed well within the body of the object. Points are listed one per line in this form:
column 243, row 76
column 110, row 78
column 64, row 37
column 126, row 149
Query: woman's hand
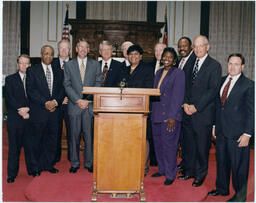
column 170, row 124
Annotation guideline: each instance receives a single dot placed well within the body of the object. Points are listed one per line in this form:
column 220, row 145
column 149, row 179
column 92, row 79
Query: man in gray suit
column 80, row 72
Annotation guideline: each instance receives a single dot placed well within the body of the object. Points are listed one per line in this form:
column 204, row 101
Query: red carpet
column 66, row 187
column 59, row 187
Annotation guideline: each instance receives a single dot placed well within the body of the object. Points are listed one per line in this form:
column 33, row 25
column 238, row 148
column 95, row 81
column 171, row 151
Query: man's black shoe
column 216, row 193
column 180, row 167
column 197, row 183
column 90, row 169
column 52, row 170
column 185, row 177
column 36, row 173
column 10, row 179
column 73, row 169
column 168, row 181
column 155, row 175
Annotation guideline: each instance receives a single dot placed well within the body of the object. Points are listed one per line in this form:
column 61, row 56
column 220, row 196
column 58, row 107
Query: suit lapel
column 77, row 70
column 164, row 82
column 43, row 77
column 235, row 89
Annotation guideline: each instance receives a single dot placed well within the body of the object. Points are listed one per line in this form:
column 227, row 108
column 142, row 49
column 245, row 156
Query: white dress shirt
column 50, row 69
column 185, row 59
column 201, row 61
column 103, row 64
column 80, row 62
column 232, row 84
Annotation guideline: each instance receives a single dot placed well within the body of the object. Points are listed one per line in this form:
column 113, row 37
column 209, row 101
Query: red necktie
column 225, row 92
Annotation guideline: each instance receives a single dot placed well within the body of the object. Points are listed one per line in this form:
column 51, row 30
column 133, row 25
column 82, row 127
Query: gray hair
column 105, row 42
column 124, row 43
column 63, row 41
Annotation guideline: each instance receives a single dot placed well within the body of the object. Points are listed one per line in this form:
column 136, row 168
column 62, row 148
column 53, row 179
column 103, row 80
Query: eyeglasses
column 23, row 63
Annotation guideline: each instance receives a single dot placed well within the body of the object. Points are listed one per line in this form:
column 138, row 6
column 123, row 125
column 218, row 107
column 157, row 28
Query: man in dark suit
column 234, row 125
column 45, row 92
column 186, row 62
column 78, row 73
column 63, row 53
column 18, row 117
column 111, row 68
column 202, row 85
column 159, row 48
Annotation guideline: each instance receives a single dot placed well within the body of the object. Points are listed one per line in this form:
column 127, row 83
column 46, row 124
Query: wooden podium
column 119, row 139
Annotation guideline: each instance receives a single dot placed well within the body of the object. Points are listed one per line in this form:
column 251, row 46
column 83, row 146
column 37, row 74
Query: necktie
column 105, row 71
column 195, row 71
column 182, row 63
column 24, row 84
column 82, row 71
column 225, row 92
column 62, row 67
column 48, row 79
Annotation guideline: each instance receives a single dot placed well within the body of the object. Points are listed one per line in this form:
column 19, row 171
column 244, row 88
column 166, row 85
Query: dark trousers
column 152, row 154
column 166, row 145
column 18, row 137
column 231, row 157
column 197, row 142
column 44, row 138
column 63, row 115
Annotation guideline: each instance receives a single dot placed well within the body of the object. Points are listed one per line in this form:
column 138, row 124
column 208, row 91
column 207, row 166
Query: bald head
column 201, row 46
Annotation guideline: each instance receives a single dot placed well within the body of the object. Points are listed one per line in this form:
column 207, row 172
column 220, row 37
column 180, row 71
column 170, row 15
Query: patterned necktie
column 49, row 79
column 24, row 84
column 195, row 71
column 182, row 63
column 225, row 92
column 62, row 67
column 82, row 71
column 105, row 71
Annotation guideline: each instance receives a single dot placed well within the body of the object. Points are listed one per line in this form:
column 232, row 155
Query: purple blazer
column 172, row 95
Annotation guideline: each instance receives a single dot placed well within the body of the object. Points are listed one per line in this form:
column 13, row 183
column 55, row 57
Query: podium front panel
column 120, row 151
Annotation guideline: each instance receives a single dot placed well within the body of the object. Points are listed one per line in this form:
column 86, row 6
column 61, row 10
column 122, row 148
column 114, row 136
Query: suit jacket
column 113, row 77
column 190, row 62
column 237, row 115
column 56, row 63
column 73, row 83
column 142, row 76
column 15, row 99
column 204, row 91
column 38, row 91
column 172, row 94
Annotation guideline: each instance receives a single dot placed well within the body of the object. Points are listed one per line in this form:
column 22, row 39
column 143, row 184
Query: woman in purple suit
column 167, row 115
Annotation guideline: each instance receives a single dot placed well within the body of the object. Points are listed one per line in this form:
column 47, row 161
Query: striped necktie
column 49, row 79
column 82, row 71
column 194, row 75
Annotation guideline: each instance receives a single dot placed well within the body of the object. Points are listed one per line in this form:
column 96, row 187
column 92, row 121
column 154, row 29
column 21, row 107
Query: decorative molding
column 48, row 23
column 174, row 42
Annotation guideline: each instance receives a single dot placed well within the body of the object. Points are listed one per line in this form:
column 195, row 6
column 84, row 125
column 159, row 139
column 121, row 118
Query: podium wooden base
column 118, row 153
column 119, row 148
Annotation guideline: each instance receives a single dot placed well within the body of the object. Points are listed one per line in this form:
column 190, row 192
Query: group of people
column 195, row 103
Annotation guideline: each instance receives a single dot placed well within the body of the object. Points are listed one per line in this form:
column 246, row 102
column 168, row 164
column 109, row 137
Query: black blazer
column 113, row 77
column 142, row 76
column 15, row 98
column 38, row 91
column 190, row 62
column 237, row 115
column 204, row 91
